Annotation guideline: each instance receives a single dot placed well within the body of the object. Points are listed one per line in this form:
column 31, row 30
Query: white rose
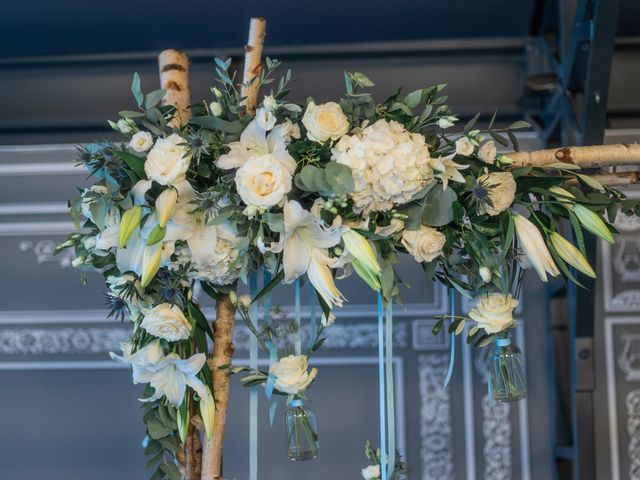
column 494, row 312
column 168, row 161
column 372, row 472
column 291, row 374
column 216, row 108
column 141, row 141
column 501, row 189
column 324, row 122
column 424, row 244
column 270, row 103
column 167, row 322
column 266, row 119
column 263, row 181
column 464, row 147
column 488, row 152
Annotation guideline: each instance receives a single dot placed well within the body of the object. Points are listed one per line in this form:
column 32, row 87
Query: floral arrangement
column 317, row 191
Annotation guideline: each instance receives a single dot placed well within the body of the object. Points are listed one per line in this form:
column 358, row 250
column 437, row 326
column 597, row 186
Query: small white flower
column 372, row 472
column 216, row 108
column 141, row 141
column 266, row 119
column 325, row 121
column 485, row 274
column 168, row 322
column 425, row 244
column 291, row 374
column 124, row 126
column 446, row 122
column 244, row 301
column 464, row 147
column 488, row 152
column 270, row 103
column 494, row 312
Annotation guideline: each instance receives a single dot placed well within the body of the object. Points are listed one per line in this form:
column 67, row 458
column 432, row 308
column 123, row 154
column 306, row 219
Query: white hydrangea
column 389, row 165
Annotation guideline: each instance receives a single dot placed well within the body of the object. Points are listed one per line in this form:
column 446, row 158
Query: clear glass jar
column 302, row 431
column 508, row 374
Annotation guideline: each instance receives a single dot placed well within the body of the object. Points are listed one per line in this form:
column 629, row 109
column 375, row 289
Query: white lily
column 446, row 169
column 168, row 375
column 534, row 247
column 254, row 142
column 305, row 250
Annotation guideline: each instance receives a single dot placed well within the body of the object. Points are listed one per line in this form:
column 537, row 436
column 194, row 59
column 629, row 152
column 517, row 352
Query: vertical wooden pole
column 174, row 78
column 212, row 449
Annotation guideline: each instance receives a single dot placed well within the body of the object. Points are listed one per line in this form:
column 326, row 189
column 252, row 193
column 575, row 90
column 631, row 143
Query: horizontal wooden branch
column 587, row 157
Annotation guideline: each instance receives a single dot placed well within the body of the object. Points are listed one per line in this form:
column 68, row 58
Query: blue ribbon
column 298, row 334
column 253, row 394
column 381, row 390
column 503, row 342
column 313, row 326
column 452, row 357
column 391, row 414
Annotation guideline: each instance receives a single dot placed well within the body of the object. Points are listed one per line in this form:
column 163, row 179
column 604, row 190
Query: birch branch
column 586, row 157
column 174, row 78
column 252, row 63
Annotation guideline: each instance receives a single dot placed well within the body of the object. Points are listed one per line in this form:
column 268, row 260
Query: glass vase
column 508, row 374
column 302, row 431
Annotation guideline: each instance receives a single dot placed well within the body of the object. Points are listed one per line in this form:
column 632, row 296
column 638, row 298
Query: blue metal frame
column 569, row 68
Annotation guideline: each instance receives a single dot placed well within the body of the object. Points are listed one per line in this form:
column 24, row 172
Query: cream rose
column 501, row 189
column 464, row 147
column 488, row 152
column 263, row 181
column 494, row 312
column 168, row 161
column 291, row 374
column 325, row 121
column 424, row 244
column 141, row 141
column 266, row 119
column 167, row 322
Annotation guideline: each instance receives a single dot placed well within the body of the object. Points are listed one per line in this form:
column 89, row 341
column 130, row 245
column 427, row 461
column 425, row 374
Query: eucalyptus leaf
column 136, row 90
column 438, row 207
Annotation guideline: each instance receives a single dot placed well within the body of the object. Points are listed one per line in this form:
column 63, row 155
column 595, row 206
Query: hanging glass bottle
column 508, row 375
column 302, row 430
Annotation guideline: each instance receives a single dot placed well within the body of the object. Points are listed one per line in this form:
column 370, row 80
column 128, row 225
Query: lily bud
column 183, row 423
column 233, row 296
column 320, row 277
column 361, row 248
column 592, row 222
column 166, row 205
column 150, row 263
column 563, row 193
column 208, row 413
column 534, row 247
column 366, row 275
column 128, row 224
column 570, row 254
column 156, row 235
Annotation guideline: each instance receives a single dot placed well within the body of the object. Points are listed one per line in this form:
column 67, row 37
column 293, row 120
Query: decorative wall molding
column 15, row 229
column 423, row 339
column 61, row 341
column 45, row 252
column 629, row 358
column 34, row 208
column 621, row 265
column 633, row 429
column 436, row 426
column 623, row 363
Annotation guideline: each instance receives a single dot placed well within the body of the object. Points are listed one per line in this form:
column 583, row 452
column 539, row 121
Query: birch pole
column 212, row 449
column 174, row 78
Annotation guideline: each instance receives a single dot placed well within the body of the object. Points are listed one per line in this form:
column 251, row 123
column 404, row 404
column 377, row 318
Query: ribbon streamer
column 381, row 392
column 391, row 414
column 253, row 394
column 298, row 335
column 452, row 358
column 313, row 326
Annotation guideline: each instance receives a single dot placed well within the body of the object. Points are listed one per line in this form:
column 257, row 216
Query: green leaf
column 275, row 221
column 171, row 471
column 130, row 114
column 134, row 162
column 157, row 430
column 339, row 177
column 201, row 320
column 154, row 98
column 413, row 99
column 472, row 123
column 135, row 89
column 438, row 207
column 519, row 124
column 499, row 138
column 275, row 281
column 215, row 123
column 361, row 79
